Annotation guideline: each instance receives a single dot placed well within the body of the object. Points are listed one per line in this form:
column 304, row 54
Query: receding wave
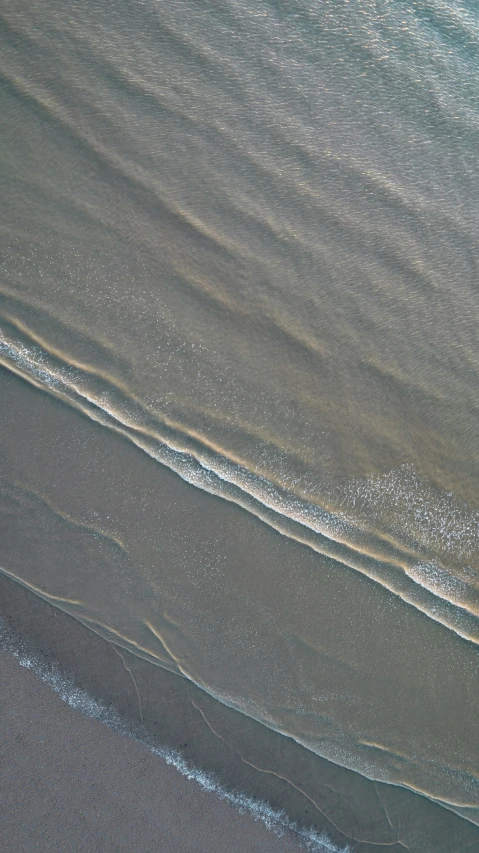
column 429, row 589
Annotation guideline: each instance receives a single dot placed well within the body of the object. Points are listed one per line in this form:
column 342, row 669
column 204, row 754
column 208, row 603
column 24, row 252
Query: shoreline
column 128, row 532
column 70, row 782
column 174, row 714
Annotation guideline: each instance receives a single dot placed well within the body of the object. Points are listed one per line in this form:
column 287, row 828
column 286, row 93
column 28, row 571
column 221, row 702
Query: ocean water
column 242, row 236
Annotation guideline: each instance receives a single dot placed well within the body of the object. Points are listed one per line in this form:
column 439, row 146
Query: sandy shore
column 64, row 775
column 70, row 783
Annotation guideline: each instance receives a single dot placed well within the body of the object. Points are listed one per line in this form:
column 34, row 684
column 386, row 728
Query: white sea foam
column 334, row 534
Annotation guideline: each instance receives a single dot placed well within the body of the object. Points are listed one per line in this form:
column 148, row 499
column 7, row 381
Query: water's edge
column 87, row 675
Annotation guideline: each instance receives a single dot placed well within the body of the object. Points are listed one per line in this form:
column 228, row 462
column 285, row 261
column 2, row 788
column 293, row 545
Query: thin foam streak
column 275, row 820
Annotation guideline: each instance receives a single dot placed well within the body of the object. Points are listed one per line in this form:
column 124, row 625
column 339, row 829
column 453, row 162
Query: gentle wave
column 429, row 588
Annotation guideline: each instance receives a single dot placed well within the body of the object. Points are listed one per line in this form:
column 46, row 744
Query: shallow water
column 244, row 238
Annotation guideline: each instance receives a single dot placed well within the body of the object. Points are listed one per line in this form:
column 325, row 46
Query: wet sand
column 70, row 783
column 208, row 734
column 64, row 775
